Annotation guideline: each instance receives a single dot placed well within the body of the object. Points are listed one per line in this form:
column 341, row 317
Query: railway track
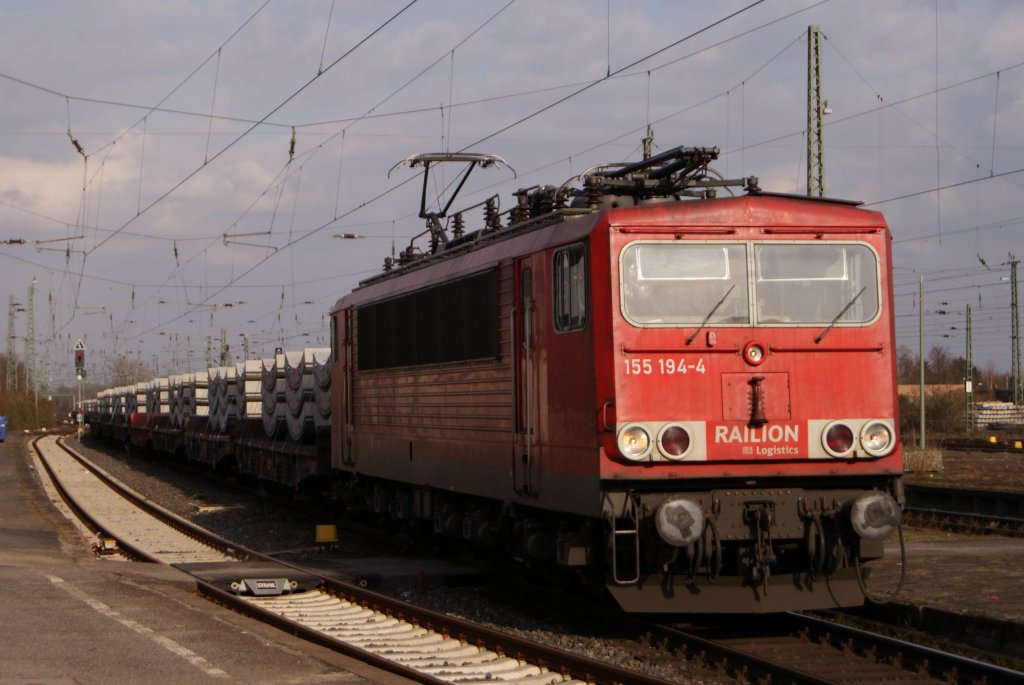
column 1010, row 444
column 800, row 648
column 431, row 647
column 965, row 510
column 142, row 529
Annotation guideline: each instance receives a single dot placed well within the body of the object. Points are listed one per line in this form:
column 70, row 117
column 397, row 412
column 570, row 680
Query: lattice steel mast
column 12, row 363
column 969, row 377
column 30, row 340
column 815, row 111
column 1015, row 331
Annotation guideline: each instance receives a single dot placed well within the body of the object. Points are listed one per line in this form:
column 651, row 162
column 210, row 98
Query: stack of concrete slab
column 998, row 414
column 187, row 396
column 195, row 401
column 275, row 410
column 299, row 392
column 234, row 394
column 103, row 402
column 132, row 397
column 175, row 393
column 322, row 388
column 221, row 381
column 117, row 401
column 248, row 389
column 157, row 397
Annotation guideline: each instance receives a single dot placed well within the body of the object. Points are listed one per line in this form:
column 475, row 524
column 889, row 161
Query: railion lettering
column 758, row 435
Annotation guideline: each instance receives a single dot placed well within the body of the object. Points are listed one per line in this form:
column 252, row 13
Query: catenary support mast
column 815, row 111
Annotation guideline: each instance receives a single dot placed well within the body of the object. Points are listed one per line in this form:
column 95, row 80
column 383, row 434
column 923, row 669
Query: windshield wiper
column 842, row 311
column 710, row 314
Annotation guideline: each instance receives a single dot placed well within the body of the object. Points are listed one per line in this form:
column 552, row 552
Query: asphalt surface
column 67, row 616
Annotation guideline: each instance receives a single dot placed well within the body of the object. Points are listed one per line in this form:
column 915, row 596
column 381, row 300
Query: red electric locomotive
column 690, row 397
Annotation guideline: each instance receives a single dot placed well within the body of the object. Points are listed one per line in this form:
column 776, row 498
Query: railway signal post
column 79, row 352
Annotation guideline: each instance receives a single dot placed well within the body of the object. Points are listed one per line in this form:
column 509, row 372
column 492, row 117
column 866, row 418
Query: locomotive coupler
column 822, row 546
column 760, row 515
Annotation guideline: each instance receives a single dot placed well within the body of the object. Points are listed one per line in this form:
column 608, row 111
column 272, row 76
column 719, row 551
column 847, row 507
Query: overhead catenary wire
column 282, row 173
column 195, row 171
column 374, row 114
column 395, row 187
column 277, row 108
column 595, row 82
column 179, row 273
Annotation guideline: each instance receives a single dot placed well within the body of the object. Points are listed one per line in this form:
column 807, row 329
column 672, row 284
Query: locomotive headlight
column 634, row 442
column 874, row 515
column 876, row 438
column 679, row 521
column 754, row 353
column 674, row 441
column 837, row 439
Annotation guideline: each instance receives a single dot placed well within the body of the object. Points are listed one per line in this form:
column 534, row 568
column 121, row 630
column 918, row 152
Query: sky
column 169, row 171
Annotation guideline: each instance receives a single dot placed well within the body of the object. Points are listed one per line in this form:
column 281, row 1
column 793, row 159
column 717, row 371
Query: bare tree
column 941, row 367
column 907, row 369
column 126, row 371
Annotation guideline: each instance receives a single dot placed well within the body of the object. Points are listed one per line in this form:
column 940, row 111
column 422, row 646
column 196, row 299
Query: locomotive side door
column 350, row 365
column 341, row 389
column 524, row 451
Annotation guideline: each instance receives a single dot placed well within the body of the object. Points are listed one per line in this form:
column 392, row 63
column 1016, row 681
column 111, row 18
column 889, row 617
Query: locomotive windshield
column 813, row 283
column 793, row 283
column 676, row 283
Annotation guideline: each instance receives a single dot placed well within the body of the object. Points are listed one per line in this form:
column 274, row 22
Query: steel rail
column 80, row 512
column 945, row 665
column 967, row 509
column 861, row 656
column 567, row 664
column 980, row 445
column 156, row 511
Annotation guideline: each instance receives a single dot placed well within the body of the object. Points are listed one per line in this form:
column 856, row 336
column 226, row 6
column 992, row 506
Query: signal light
column 79, row 359
column 674, row 441
column 838, row 439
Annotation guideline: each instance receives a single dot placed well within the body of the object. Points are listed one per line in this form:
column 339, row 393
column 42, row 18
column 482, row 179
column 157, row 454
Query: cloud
column 747, row 96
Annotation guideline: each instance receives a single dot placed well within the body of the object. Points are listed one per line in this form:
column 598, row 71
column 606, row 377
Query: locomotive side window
column 569, row 279
column 685, row 283
column 815, row 283
column 454, row 322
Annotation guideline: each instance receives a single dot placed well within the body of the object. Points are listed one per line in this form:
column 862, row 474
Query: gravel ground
column 979, row 470
column 252, row 522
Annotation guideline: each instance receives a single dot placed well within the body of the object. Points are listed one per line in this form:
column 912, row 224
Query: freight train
column 677, row 385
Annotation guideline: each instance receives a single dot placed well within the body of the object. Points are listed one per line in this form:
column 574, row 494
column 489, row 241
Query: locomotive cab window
column 684, row 283
column 815, row 283
column 569, row 281
column 774, row 283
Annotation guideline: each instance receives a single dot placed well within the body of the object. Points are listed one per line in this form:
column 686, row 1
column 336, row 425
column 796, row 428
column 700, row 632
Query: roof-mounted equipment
column 438, row 235
column 681, row 171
